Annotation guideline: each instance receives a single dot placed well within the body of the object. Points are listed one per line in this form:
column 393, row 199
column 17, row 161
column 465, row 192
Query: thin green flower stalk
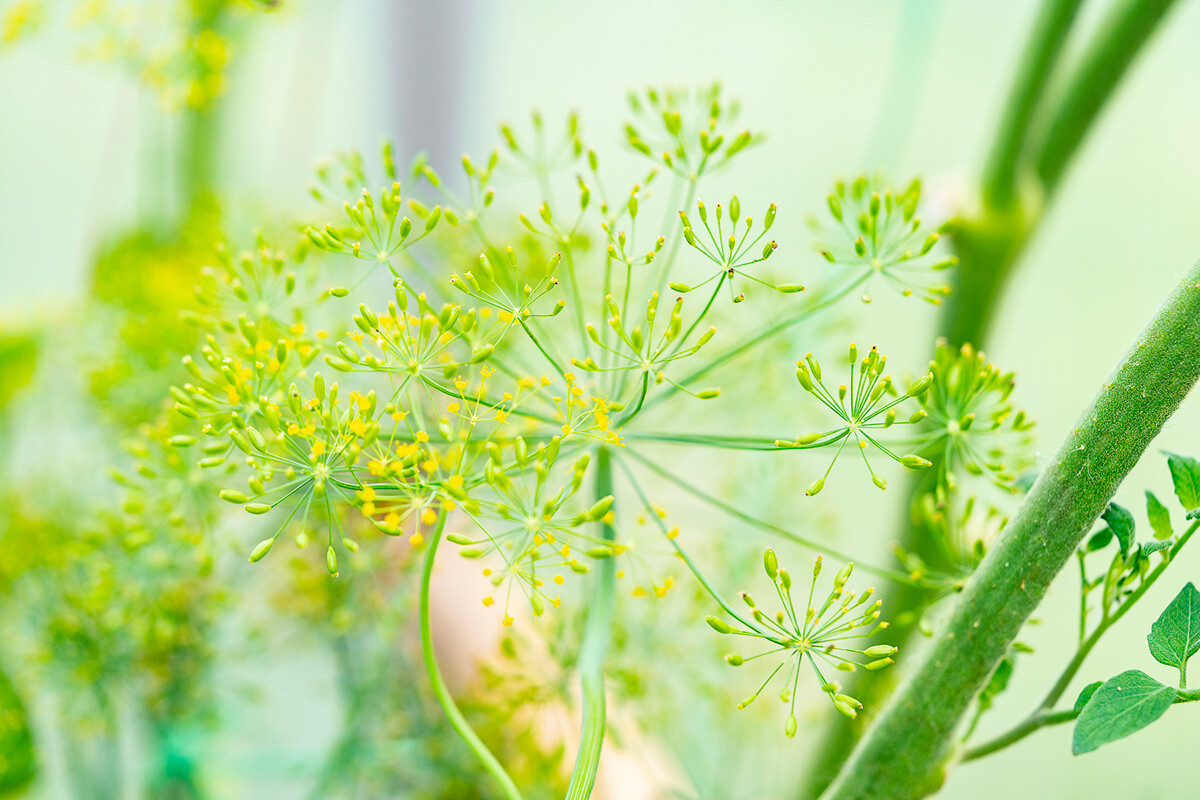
column 541, row 154
column 971, row 424
column 375, row 231
column 878, row 233
column 866, row 406
column 261, row 289
column 686, row 131
column 731, row 254
column 530, row 527
column 825, row 633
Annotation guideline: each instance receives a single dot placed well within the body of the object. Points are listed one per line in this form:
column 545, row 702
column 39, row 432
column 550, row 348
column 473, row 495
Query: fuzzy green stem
column 440, row 691
column 593, row 650
column 904, row 754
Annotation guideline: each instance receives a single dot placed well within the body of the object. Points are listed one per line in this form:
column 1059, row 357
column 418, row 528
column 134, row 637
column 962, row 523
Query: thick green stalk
column 592, row 653
column 1121, row 37
column 1050, row 29
column 440, row 691
column 905, row 752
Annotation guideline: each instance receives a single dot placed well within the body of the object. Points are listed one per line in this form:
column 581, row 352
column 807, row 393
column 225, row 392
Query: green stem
column 440, row 691
column 592, row 653
column 1031, row 724
column 1018, row 732
column 1050, row 29
column 1044, row 719
column 990, row 246
column 904, row 754
column 1106, row 60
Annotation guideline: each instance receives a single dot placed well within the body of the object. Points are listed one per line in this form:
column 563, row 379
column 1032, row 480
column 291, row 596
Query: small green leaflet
column 1086, row 694
column 1120, row 524
column 1185, row 472
column 1123, row 705
column 1175, row 635
column 1160, row 518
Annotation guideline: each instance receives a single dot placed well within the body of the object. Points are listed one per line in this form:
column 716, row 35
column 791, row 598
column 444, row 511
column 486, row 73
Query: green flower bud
column 876, row 651
column 261, row 549
column 915, row 462
column 770, row 563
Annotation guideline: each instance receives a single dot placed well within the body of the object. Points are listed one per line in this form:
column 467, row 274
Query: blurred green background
column 911, row 87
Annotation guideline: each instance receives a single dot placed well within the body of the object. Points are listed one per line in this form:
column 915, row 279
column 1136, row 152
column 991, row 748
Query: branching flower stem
column 440, row 691
column 904, row 754
column 756, row 338
column 1042, row 715
column 791, row 536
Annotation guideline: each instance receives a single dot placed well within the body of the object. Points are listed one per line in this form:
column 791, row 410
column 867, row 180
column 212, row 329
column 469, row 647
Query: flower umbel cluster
column 731, row 252
column 971, row 424
column 863, row 407
column 817, row 634
column 880, row 234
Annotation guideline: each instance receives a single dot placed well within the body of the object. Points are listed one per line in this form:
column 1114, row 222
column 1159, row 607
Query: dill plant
column 423, row 362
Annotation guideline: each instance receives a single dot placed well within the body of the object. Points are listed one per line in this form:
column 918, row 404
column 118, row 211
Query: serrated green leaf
column 1123, row 705
column 1160, row 518
column 1120, row 521
column 18, row 765
column 1185, row 472
column 1086, row 694
column 1175, row 635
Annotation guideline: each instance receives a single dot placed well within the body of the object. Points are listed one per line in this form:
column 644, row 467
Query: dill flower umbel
column 730, row 252
column 971, row 423
column 865, row 409
column 878, row 233
column 818, row 634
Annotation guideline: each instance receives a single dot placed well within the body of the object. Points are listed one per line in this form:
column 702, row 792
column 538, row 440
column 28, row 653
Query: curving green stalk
column 905, row 753
column 440, row 691
column 596, row 633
